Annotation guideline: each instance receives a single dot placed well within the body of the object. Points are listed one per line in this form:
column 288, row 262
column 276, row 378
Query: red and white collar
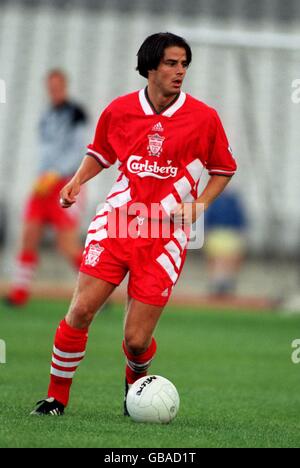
column 168, row 112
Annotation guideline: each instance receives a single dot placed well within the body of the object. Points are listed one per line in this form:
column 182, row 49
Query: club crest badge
column 155, row 144
column 93, row 255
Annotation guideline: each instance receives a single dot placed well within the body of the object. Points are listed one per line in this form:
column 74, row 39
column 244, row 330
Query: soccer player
column 161, row 138
column 61, row 143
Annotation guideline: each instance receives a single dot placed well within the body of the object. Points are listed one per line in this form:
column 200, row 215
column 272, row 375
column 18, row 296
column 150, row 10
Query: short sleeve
column 220, row 159
column 101, row 148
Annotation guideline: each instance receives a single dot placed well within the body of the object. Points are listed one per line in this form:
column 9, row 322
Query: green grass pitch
column 237, row 383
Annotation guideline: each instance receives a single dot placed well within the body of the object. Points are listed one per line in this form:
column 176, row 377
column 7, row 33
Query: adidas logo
column 165, row 293
column 158, row 127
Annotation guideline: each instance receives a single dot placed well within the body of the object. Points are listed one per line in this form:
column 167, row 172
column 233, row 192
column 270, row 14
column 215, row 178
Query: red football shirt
column 161, row 156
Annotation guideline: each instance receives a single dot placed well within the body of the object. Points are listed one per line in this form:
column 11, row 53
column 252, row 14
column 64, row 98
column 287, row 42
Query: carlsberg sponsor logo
column 147, row 169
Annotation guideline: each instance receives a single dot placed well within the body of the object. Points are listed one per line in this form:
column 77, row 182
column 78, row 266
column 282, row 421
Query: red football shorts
column 154, row 265
column 46, row 208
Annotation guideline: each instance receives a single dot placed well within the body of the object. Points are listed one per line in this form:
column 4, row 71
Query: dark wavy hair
column 152, row 51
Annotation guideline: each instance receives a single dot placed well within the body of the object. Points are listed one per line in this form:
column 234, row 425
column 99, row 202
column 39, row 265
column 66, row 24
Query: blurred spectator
column 61, row 137
column 224, row 247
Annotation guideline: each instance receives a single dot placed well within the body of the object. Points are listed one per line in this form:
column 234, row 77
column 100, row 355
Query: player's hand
column 187, row 213
column 69, row 193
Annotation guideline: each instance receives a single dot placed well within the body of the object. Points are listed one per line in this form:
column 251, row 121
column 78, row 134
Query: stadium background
column 245, row 60
column 240, row 387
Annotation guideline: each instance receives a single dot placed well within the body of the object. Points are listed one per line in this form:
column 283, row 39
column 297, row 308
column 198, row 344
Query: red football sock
column 68, row 352
column 137, row 366
column 25, row 268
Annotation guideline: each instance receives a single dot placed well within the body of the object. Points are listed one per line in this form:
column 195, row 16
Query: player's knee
column 136, row 344
column 80, row 315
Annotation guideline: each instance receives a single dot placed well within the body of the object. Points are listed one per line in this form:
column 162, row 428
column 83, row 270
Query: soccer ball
column 152, row 399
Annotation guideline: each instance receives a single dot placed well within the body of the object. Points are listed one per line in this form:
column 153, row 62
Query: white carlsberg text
column 146, row 169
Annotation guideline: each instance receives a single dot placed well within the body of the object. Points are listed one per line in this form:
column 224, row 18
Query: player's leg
column 68, row 243
column 139, row 344
column 71, row 339
column 90, row 295
column 26, row 263
column 156, row 266
column 100, row 272
column 139, row 324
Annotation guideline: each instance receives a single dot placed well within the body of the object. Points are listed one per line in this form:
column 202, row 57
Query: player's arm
column 212, row 190
column 100, row 155
column 88, row 169
column 220, row 165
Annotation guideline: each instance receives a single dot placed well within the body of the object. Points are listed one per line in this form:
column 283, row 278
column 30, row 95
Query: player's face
column 171, row 71
column 57, row 89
